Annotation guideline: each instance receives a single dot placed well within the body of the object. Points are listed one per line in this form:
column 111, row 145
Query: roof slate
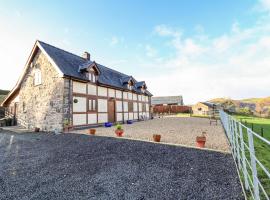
column 70, row 65
column 167, row 100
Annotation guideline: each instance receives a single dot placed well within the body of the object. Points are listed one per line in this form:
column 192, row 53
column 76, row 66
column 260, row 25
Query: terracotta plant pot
column 156, row 137
column 37, row 129
column 92, row 131
column 119, row 132
column 200, row 141
column 66, row 129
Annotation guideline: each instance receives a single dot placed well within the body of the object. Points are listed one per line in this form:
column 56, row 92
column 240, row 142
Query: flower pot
column 119, row 132
column 200, row 141
column 66, row 129
column 129, row 122
column 37, row 129
column 92, row 131
column 156, row 137
column 108, row 124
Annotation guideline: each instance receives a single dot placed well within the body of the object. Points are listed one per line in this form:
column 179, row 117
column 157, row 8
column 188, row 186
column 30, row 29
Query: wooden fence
column 160, row 109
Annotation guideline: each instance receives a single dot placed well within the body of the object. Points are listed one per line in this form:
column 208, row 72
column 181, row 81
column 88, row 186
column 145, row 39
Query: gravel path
column 73, row 166
column 173, row 130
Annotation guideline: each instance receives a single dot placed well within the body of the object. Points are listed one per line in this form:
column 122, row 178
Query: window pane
column 94, row 104
column 90, row 105
column 94, row 78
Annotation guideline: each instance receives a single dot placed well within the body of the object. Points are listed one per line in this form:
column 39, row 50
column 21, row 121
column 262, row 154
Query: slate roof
column 70, row 65
column 209, row 104
column 167, row 100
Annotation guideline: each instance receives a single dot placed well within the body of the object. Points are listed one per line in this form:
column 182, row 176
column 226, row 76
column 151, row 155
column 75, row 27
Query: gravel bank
column 73, row 166
column 173, row 130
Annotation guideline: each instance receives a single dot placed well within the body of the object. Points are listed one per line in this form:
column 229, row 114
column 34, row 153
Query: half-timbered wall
column 128, row 105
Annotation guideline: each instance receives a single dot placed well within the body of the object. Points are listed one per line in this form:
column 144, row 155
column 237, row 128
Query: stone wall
column 45, row 105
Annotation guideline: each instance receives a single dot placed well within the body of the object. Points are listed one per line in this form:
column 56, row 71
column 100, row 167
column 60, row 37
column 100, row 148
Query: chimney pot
column 86, row 55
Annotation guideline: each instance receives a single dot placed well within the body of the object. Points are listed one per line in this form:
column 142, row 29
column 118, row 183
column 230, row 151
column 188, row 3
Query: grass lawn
column 262, row 150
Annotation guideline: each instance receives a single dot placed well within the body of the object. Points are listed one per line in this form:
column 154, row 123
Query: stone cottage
column 57, row 86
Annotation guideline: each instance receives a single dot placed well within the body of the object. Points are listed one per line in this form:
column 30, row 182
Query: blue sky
column 198, row 49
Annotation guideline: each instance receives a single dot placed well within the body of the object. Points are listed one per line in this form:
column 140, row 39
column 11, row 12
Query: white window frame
column 37, row 77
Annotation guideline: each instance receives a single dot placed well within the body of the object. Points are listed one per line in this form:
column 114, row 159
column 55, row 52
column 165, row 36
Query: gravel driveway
column 77, row 166
column 177, row 130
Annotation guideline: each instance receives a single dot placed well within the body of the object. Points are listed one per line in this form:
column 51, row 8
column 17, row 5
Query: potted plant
column 200, row 140
column 92, row 131
column 156, row 137
column 119, row 131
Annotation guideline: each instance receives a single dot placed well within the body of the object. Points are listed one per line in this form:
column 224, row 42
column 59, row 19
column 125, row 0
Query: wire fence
column 248, row 150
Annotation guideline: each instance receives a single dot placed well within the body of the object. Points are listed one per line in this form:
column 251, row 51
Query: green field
column 262, row 150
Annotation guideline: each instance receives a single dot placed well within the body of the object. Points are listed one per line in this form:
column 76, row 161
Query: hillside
column 256, row 106
column 3, row 94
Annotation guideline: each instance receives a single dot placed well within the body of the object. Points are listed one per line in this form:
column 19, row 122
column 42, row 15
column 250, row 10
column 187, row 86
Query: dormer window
column 92, row 77
column 130, row 85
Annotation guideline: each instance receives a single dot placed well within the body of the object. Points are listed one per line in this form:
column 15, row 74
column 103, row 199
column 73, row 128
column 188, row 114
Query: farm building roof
column 167, row 100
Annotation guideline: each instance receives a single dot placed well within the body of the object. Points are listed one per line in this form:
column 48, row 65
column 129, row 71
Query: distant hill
column 255, row 106
column 3, row 94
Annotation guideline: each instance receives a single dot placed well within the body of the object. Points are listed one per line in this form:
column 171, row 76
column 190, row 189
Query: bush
column 118, row 126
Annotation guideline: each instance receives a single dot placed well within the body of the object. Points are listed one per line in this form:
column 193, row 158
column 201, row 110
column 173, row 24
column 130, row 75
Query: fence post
column 253, row 165
column 233, row 137
column 237, row 143
column 244, row 167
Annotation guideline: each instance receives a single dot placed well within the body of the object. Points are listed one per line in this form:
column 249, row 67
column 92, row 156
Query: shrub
column 118, row 126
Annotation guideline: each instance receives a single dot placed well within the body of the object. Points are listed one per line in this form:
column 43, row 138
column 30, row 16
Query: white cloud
column 150, row 51
column 235, row 64
column 114, row 41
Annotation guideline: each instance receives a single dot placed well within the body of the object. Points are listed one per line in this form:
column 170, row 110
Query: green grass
column 183, row 115
column 262, row 150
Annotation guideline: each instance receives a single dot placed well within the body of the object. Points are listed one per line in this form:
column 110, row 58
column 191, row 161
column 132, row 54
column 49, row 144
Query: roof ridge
column 60, row 49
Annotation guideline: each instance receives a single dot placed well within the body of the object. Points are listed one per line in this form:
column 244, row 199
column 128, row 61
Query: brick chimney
column 86, row 55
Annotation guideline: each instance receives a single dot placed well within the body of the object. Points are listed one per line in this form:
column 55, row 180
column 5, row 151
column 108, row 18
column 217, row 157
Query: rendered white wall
column 80, row 106
column 119, row 117
column 140, row 107
column 135, row 107
column 102, row 105
column 79, row 119
column 79, row 87
column 125, row 95
column 125, row 116
column 102, row 117
column 130, row 96
column 92, row 89
column 143, row 98
column 130, row 115
column 111, row 93
column 119, row 106
column 92, row 118
column 118, row 94
column 147, row 107
column 102, row 91
column 125, row 106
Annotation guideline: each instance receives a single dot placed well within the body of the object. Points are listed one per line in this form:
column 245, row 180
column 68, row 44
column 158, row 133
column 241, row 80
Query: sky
column 198, row 49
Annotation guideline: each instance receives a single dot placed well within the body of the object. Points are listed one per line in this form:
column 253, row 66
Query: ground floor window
column 92, row 105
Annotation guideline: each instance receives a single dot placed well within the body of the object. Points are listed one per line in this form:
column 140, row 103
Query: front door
column 111, row 110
